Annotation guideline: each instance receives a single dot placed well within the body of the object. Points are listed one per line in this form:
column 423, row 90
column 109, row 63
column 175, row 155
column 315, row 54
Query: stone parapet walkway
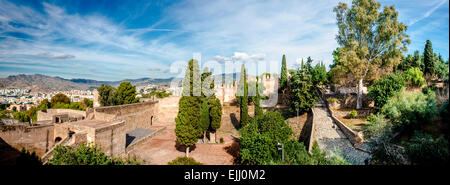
column 331, row 139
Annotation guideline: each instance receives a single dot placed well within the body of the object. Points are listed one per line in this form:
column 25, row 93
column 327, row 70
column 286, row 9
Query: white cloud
column 295, row 28
column 55, row 56
column 93, row 39
column 428, row 13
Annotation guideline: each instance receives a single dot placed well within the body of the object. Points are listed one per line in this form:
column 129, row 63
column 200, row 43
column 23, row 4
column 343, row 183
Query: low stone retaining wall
column 142, row 140
column 354, row 137
column 311, row 136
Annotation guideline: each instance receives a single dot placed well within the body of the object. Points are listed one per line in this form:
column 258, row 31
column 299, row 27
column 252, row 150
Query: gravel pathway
column 331, row 139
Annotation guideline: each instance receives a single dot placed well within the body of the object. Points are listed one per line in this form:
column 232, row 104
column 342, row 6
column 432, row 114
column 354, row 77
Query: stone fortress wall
column 50, row 113
column 37, row 139
column 227, row 92
column 137, row 115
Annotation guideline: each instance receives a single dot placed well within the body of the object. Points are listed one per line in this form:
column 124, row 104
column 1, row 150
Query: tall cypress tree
column 257, row 101
column 188, row 127
column 215, row 114
column 283, row 79
column 205, row 121
column 244, row 99
column 428, row 59
column 207, row 83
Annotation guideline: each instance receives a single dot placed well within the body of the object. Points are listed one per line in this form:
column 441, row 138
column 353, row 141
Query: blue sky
column 115, row 40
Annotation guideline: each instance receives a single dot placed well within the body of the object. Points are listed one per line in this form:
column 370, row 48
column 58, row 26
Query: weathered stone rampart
column 50, row 113
column 137, row 115
column 37, row 139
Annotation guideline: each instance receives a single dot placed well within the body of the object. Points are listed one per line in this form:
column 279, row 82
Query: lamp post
column 282, row 150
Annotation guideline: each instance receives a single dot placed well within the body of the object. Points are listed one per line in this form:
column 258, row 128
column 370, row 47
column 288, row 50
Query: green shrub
column 221, row 140
column 21, row 116
column 86, row 155
column 353, row 114
column 384, row 88
column 424, row 150
column 184, row 161
column 414, row 76
column 377, row 125
column 371, row 118
column 410, row 109
column 259, row 144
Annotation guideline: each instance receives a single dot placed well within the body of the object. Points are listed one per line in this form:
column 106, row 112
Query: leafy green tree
column 21, row 116
column 107, row 95
column 414, row 77
column 303, row 95
column 384, row 88
column 215, row 114
column 184, row 161
column 411, row 61
column 429, row 59
column 126, row 94
column 60, row 99
column 88, row 103
column 371, row 42
column 205, row 121
column 32, row 113
column 442, row 69
column 45, row 104
column 319, row 74
column 188, row 128
column 14, row 109
column 283, row 78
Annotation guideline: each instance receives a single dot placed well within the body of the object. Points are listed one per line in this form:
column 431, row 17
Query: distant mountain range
column 43, row 83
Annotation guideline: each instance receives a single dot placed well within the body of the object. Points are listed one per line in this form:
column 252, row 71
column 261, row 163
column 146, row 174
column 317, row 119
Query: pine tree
column 428, row 59
column 188, row 127
column 126, row 94
column 283, row 79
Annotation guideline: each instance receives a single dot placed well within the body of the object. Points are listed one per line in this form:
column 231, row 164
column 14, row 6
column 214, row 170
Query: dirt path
column 331, row 139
